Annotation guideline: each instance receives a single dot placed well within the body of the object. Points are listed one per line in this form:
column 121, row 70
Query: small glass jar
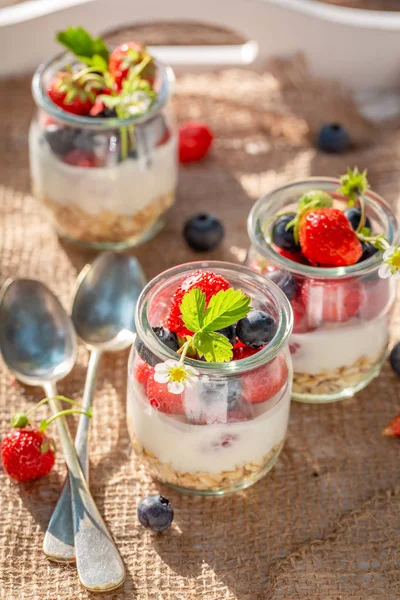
column 341, row 315
column 213, row 440
column 106, row 183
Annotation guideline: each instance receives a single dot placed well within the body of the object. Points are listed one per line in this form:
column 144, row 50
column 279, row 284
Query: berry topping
column 195, row 140
column 60, row 139
column 265, row 382
column 395, row 358
column 162, row 399
column 282, row 236
column 230, row 333
column 368, row 250
column 27, row 454
column 353, row 214
column 74, row 94
column 243, row 352
column 125, row 56
column 203, row 232
column 327, row 238
column 333, row 138
column 206, row 281
column 286, row 282
column 334, row 301
column 142, row 371
column 155, row 512
column 393, row 428
column 168, row 338
column 257, row 329
column 296, row 257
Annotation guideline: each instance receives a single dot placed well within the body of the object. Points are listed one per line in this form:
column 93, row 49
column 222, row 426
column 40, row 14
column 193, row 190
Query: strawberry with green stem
column 27, row 452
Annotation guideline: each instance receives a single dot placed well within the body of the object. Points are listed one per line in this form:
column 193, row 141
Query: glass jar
column 214, row 439
column 341, row 315
column 106, row 183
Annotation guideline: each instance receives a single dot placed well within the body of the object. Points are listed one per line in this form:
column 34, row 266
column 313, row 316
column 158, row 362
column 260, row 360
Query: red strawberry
column 195, row 139
column 335, row 301
column 160, row 398
column 207, row 282
column 263, row 383
column 393, row 429
column 125, row 56
column 241, row 351
column 142, row 371
column 328, row 239
column 27, row 454
column 80, row 158
column 300, row 324
column 75, row 96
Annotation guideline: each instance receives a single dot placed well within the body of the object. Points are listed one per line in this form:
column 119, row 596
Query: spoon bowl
column 104, row 306
column 37, row 339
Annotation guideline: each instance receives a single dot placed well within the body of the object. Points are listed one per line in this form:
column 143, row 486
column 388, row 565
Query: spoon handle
column 100, row 567
column 58, row 543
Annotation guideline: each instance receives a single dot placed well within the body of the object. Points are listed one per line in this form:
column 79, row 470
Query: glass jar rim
column 363, row 268
column 279, row 341
column 42, row 100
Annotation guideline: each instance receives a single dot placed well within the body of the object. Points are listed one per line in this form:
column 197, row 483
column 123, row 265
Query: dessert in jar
column 321, row 241
column 209, row 379
column 103, row 147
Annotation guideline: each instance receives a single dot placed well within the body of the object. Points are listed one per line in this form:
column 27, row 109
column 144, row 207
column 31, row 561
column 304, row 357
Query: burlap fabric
column 323, row 525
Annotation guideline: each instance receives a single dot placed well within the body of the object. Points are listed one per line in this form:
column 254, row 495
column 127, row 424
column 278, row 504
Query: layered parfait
column 103, row 148
column 209, row 381
column 321, row 241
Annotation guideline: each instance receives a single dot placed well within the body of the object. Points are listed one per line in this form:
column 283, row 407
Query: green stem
column 69, row 411
column 45, row 400
column 184, row 350
column 124, row 143
column 363, row 216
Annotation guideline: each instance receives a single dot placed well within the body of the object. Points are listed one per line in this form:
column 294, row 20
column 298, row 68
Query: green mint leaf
column 213, row 346
column 225, row 308
column 192, row 309
column 81, row 43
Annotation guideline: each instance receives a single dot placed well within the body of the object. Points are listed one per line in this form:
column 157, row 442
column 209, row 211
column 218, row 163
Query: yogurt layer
column 210, row 448
column 331, row 347
column 124, row 189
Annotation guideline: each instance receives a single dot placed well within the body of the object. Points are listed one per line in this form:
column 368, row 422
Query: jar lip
column 277, row 344
column 266, row 250
column 42, row 100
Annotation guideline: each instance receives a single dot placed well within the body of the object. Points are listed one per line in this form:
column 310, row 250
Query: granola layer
column 106, row 226
column 330, row 382
column 203, row 480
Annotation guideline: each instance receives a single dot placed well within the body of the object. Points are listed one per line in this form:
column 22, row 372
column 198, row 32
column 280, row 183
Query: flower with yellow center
column 176, row 375
column 390, row 266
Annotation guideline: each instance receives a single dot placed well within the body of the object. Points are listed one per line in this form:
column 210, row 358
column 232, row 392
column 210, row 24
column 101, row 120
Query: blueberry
column 230, row 333
column 332, row 137
column 155, row 512
column 167, row 337
column 368, row 251
column 203, row 232
column 354, row 215
column 286, row 282
column 257, row 329
column 395, row 358
column 61, row 139
column 214, row 391
column 282, row 237
column 106, row 113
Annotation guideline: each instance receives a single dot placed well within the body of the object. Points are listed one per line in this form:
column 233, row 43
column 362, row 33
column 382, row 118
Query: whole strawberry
column 327, row 238
column 126, row 56
column 27, row 454
column 74, row 94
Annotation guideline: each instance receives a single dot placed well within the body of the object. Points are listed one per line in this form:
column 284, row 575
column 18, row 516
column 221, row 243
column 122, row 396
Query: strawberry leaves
column 92, row 51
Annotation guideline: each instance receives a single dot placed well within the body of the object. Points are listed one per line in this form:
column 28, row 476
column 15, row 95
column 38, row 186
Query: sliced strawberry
column 328, row 239
column 142, row 370
column 393, row 428
column 80, row 158
column 263, row 383
column 333, row 301
column 207, row 282
column 125, row 56
column 161, row 399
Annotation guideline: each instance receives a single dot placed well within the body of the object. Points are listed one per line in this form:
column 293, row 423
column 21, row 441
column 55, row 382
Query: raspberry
column 142, row 371
column 207, row 282
column 263, row 383
column 160, row 398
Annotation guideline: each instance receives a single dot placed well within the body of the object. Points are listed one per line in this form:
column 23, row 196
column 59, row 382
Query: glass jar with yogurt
column 226, row 431
column 105, row 182
column 341, row 315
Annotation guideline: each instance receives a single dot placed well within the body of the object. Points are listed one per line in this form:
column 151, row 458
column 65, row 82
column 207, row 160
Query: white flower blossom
column 390, row 266
column 176, row 375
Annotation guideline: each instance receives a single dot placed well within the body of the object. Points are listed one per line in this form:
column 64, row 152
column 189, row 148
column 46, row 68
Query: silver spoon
column 103, row 316
column 38, row 344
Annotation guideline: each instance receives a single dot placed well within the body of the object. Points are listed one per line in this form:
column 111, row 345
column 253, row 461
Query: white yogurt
column 123, row 189
column 190, row 448
column 338, row 345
